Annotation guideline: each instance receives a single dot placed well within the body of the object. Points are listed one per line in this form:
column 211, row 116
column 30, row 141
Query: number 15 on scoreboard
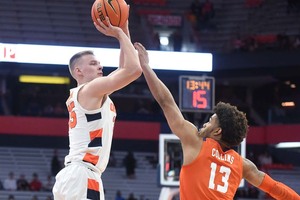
column 196, row 93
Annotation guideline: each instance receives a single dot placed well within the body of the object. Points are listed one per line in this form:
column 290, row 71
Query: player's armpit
column 278, row 190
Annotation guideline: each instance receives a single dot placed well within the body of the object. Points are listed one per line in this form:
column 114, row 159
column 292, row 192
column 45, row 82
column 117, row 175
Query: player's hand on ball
column 125, row 28
column 108, row 30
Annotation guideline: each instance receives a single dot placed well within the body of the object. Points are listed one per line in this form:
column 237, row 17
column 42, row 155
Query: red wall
column 137, row 130
column 59, row 127
column 274, row 134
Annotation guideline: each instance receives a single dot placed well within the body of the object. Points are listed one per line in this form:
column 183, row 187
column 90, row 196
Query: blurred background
column 256, row 60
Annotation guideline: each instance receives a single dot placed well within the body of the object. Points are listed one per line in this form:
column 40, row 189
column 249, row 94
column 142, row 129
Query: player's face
column 90, row 67
column 209, row 127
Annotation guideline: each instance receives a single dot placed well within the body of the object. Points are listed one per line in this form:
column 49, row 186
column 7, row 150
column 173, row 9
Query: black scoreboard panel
column 197, row 93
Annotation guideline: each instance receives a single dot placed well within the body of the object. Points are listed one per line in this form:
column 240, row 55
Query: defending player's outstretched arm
column 277, row 189
column 264, row 182
column 185, row 130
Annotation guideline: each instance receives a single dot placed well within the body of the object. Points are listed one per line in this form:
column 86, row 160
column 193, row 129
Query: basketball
column 116, row 10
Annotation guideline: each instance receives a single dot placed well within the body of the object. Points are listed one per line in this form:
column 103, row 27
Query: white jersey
column 90, row 132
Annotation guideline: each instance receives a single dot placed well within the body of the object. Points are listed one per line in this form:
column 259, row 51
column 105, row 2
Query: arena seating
column 69, row 22
column 150, row 2
column 235, row 17
column 29, row 160
column 55, row 23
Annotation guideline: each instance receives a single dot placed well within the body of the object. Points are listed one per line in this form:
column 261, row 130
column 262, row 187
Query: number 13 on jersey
column 224, row 172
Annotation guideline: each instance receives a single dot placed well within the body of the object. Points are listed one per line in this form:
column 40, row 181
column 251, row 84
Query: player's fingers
column 140, row 46
column 97, row 25
column 101, row 24
column 107, row 21
column 141, row 49
column 137, row 46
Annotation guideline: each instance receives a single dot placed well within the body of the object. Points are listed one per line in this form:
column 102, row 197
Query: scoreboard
column 196, row 93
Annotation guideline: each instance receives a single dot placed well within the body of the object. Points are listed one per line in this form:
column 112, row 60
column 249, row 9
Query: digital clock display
column 197, row 93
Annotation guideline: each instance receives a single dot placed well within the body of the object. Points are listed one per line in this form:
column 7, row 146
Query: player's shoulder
column 248, row 165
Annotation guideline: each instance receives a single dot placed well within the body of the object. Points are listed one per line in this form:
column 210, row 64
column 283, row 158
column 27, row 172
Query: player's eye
column 95, row 63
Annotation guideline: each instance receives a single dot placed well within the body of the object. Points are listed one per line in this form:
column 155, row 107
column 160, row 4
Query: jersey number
column 72, row 115
column 225, row 171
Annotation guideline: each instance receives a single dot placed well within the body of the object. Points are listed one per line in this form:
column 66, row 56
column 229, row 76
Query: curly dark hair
column 233, row 122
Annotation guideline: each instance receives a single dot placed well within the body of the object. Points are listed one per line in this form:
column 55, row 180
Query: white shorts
column 77, row 181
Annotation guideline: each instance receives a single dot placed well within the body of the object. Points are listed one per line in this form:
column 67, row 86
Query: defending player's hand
column 143, row 55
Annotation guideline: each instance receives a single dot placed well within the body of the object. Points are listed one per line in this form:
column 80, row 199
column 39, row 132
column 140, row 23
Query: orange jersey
column 214, row 174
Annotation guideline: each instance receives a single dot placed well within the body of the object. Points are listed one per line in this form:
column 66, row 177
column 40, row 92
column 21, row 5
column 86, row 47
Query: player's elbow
column 133, row 73
column 137, row 71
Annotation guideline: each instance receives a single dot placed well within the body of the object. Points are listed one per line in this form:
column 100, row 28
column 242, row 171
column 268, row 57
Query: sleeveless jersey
column 90, row 132
column 214, row 174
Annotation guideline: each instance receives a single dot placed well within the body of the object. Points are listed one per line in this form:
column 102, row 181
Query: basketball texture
column 116, row 10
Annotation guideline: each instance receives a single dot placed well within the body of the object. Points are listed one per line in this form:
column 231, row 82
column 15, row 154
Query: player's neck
column 224, row 146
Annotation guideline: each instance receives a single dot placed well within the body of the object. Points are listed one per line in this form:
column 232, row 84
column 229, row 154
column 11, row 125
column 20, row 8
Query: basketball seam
column 106, row 14
column 120, row 12
column 95, row 14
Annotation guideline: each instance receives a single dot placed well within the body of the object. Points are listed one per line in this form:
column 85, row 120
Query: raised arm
column 185, row 130
column 128, row 72
column 125, row 29
column 264, row 182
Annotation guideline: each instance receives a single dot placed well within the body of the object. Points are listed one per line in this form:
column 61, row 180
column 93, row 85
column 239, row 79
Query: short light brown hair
column 76, row 57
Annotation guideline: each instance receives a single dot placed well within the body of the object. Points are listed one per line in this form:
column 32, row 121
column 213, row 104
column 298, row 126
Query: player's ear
column 77, row 70
column 218, row 131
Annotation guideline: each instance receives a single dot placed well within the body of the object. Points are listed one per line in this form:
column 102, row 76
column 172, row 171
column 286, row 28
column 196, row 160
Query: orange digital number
column 190, row 85
column 199, row 101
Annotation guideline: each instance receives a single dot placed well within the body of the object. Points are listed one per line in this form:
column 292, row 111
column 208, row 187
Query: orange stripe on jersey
column 96, row 134
column 71, row 106
column 93, row 185
column 96, row 138
column 91, row 158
